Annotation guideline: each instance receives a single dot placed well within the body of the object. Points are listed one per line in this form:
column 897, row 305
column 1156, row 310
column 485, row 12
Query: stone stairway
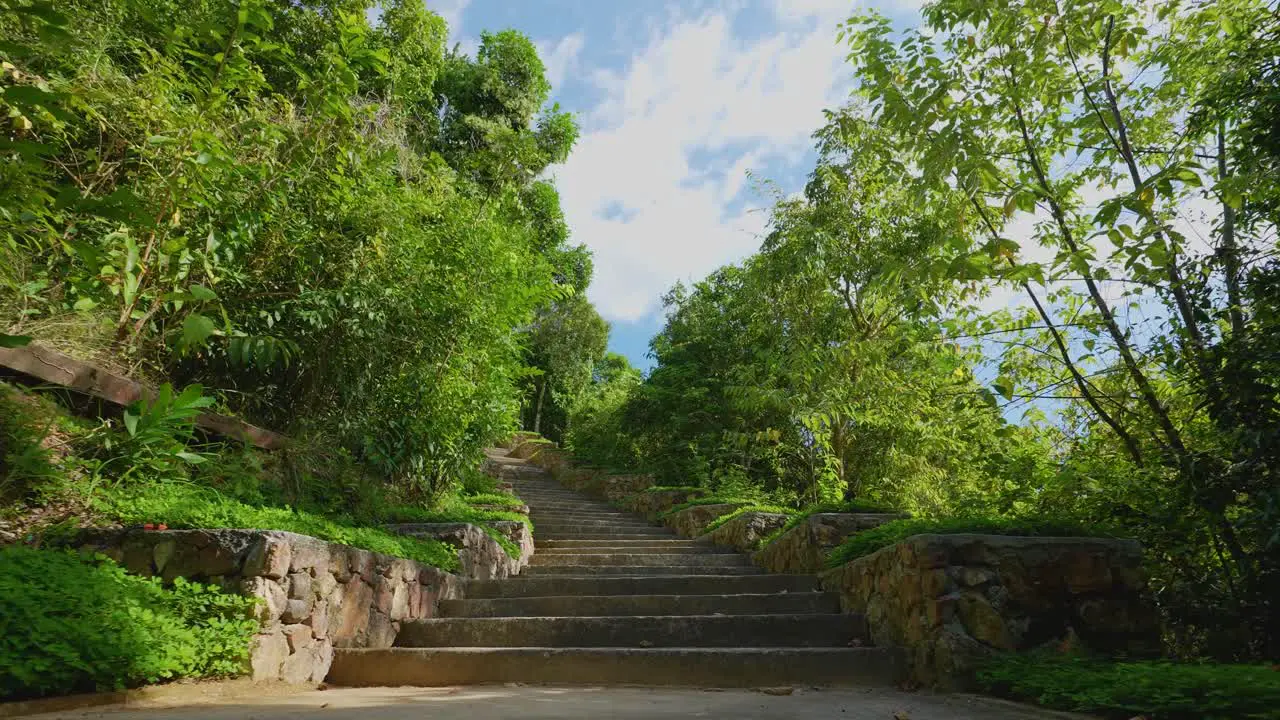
column 610, row 599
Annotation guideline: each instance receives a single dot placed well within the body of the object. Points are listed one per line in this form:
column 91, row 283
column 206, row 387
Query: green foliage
column 335, row 228
column 778, row 509
column 714, row 499
column 76, row 624
column 491, row 498
column 891, row 533
column 565, row 343
column 25, row 463
column 187, row 505
column 1122, row 690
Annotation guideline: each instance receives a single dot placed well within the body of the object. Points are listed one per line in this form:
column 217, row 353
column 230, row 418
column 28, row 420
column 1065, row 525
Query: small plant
column 77, row 624
column 157, row 435
column 1158, row 690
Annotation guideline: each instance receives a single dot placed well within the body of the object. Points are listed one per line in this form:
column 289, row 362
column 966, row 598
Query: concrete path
column 583, row 703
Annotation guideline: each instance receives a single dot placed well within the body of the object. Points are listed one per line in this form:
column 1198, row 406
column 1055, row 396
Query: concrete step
column 636, row 549
column 637, row 570
column 575, row 507
column 637, row 559
column 543, row 545
column 592, row 524
column 523, row 586
column 548, row 531
column 583, row 515
column 602, row 529
column 688, row 667
column 834, row 630
column 653, row 534
column 622, row 605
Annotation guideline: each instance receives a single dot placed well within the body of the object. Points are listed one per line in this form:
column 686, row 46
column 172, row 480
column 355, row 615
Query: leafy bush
column 75, row 624
column 671, row 488
column 1156, row 690
column 184, row 505
column 869, row 541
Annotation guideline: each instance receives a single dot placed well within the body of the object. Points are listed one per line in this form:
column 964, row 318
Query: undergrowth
column 869, row 541
column 79, row 624
column 186, row 505
column 848, row 506
column 1157, row 690
column 727, row 517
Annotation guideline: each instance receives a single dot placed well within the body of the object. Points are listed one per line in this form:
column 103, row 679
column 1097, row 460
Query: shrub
column 74, row 624
column 869, row 541
column 183, row 505
column 1158, row 690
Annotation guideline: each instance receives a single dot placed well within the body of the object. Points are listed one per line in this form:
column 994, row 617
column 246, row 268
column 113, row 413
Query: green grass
column 797, row 517
column 869, row 541
column 186, row 505
column 79, row 624
column 492, row 498
column 720, row 521
column 1158, row 690
column 709, row 500
column 457, row 511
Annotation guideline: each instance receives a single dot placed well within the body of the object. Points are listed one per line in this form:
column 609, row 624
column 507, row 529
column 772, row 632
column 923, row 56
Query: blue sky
column 677, row 100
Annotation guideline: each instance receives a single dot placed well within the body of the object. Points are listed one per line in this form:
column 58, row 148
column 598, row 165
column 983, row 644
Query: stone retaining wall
column 804, row 548
column 652, row 503
column 691, row 521
column 315, row 595
column 747, row 530
column 479, row 556
column 952, row 600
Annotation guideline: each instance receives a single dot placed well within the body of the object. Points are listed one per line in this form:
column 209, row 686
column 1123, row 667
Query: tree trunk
column 537, row 412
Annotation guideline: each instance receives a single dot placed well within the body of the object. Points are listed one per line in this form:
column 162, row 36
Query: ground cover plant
column 81, row 624
column 1158, row 690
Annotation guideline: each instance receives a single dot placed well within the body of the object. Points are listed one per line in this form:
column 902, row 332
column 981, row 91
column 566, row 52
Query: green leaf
column 85, row 303
column 131, row 422
column 201, row 292
column 196, row 329
column 14, row 341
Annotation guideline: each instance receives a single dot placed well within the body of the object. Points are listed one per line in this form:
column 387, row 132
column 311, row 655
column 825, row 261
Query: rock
column 269, row 653
column 690, row 522
column 299, row 637
column 804, row 548
column 953, row 600
column 162, row 553
column 300, row 586
column 295, row 611
column 784, row 690
column 652, row 503
column 269, row 557
column 745, row 531
column 319, row 620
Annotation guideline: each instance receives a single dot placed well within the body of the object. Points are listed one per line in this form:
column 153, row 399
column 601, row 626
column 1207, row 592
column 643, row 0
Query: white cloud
column 561, row 58
column 696, row 88
column 451, row 11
